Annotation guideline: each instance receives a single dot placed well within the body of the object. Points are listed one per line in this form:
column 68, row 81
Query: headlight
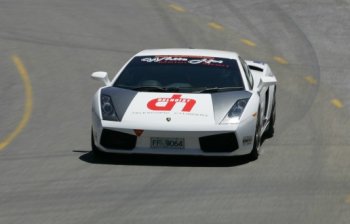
column 107, row 108
column 235, row 112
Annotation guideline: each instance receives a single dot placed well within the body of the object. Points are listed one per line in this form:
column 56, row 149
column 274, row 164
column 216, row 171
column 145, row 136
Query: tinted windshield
column 181, row 74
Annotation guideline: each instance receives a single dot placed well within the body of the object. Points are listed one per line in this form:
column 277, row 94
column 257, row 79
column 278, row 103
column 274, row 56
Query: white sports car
column 184, row 102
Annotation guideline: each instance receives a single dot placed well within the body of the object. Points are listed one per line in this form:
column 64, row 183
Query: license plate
column 168, row 143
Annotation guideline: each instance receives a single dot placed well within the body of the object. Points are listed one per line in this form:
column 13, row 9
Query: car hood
column 176, row 108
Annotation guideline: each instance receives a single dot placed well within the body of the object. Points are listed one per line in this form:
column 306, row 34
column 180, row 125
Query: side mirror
column 102, row 76
column 266, row 81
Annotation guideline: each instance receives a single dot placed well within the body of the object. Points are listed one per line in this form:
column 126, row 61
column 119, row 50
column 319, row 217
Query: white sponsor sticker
column 177, row 108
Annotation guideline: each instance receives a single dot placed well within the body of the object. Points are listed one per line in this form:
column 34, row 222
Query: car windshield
column 181, row 74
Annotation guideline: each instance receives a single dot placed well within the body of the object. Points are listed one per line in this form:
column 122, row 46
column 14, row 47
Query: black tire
column 254, row 154
column 95, row 151
column 271, row 129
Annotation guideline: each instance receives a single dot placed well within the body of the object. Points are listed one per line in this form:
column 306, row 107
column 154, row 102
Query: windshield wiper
column 219, row 89
column 149, row 88
column 157, row 89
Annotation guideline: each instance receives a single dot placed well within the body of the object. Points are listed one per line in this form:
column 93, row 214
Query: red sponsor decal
column 138, row 132
column 167, row 104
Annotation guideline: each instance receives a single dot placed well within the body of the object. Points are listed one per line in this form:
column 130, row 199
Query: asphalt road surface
column 48, row 49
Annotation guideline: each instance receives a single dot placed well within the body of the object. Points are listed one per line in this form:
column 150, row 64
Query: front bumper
column 205, row 140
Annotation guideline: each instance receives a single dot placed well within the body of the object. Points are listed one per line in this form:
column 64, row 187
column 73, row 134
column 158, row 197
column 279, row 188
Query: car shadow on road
column 162, row 160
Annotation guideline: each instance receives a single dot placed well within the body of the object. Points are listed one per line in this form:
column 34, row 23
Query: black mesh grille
column 117, row 140
column 219, row 143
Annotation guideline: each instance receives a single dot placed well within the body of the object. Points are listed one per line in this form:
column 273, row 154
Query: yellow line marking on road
column 347, row 199
column 215, row 26
column 28, row 102
column 177, row 8
column 248, row 42
column 337, row 103
column 280, row 60
column 311, row 80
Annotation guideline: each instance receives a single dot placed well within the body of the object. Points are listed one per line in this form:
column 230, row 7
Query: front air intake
column 219, row 143
column 117, row 140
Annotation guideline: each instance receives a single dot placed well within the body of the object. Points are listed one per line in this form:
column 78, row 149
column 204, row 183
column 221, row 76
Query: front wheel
column 271, row 129
column 95, row 151
column 254, row 154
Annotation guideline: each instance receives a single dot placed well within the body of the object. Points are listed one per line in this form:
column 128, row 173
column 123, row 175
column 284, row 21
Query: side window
column 250, row 78
column 247, row 73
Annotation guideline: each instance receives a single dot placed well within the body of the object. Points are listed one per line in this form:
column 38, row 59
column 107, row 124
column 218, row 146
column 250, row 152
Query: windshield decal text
column 175, row 59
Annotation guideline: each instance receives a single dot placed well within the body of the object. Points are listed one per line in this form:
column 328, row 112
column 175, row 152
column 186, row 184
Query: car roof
column 189, row 52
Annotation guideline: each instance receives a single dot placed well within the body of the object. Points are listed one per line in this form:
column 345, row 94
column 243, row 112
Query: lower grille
column 117, row 140
column 219, row 143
